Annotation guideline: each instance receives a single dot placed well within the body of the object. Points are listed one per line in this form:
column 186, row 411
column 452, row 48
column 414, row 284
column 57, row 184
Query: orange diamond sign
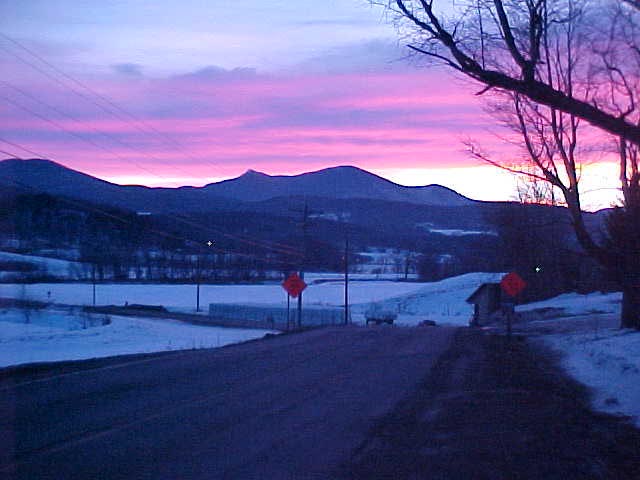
column 294, row 285
column 512, row 284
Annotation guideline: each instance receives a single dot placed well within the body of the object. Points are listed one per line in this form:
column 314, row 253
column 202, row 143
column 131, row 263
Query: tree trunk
column 630, row 317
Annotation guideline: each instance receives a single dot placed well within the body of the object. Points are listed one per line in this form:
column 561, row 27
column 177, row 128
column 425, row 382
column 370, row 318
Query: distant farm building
column 489, row 302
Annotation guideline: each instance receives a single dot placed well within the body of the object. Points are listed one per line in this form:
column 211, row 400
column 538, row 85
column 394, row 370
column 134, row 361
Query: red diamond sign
column 294, row 285
column 512, row 284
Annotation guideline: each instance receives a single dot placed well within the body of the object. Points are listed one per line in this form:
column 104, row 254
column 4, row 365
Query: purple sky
column 192, row 92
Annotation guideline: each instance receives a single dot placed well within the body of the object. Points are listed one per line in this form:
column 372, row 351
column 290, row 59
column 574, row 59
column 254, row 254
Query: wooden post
column 346, row 277
column 304, row 258
column 94, row 283
column 198, row 283
column 288, row 309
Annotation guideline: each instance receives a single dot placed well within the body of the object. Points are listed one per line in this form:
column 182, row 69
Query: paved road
column 295, row 406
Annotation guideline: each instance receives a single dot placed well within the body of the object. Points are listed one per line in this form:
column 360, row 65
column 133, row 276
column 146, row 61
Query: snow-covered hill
column 52, row 267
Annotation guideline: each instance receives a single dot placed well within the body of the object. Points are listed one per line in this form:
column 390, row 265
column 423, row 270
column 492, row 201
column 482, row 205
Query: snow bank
column 50, row 266
column 596, row 353
column 443, row 301
column 607, row 361
column 58, row 335
column 576, row 304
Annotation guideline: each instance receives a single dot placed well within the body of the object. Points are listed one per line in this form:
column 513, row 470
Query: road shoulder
column 495, row 410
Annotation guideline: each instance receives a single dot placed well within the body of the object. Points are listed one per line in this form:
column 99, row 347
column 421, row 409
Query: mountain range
column 344, row 182
column 259, row 218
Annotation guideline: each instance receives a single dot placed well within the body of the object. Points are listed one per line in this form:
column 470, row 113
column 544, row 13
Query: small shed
column 486, row 299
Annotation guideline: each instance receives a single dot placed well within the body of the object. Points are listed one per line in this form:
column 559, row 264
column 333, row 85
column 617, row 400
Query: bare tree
column 552, row 65
column 499, row 43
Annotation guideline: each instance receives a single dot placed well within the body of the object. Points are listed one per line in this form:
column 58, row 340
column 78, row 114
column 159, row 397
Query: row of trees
column 563, row 75
column 114, row 244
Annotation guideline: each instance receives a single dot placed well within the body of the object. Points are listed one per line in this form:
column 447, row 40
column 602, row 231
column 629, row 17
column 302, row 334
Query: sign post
column 294, row 285
column 512, row 284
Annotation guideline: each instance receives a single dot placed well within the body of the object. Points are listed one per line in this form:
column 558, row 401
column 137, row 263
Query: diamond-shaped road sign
column 512, row 284
column 294, row 285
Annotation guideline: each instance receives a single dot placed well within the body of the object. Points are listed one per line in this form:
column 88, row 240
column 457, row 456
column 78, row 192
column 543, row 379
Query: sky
column 166, row 93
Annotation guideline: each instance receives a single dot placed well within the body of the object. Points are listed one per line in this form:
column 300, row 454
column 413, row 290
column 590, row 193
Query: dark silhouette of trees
column 552, row 65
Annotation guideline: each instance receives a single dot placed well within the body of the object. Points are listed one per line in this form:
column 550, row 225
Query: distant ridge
column 334, row 182
column 341, row 182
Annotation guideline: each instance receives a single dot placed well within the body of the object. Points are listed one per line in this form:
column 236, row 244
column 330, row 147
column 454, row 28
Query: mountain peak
column 253, row 173
column 343, row 181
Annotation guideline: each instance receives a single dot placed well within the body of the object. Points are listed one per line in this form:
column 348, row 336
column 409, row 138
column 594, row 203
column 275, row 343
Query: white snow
column 183, row 297
column 584, row 327
column 594, row 350
column 608, row 361
column 577, row 304
column 55, row 335
column 454, row 232
column 54, row 267
column 312, row 278
column 443, row 301
column 386, row 261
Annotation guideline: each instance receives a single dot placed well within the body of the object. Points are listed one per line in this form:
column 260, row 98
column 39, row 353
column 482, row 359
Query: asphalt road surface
column 295, row 406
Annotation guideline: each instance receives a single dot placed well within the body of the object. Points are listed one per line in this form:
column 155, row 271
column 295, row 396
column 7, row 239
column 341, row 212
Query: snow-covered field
column 312, row 278
column 46, row 265
column 59, row 335
column 183, row 297
column 453, row 232
column 54, row 335
column 583, row 327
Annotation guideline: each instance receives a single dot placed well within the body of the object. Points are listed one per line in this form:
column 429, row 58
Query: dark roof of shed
column 478, row 290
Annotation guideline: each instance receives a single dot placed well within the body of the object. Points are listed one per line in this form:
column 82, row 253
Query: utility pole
column 406, row 267
column 346, row 275
column 288, row 311
column 197, row 282
column 305, row 217
column 93, row 277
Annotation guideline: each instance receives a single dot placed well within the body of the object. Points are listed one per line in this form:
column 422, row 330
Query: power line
column 116, row 110
column 20, row 147
column 74, row 134
column 280, row 248
column 275, row 247
column 288, row 250
column 158, row 232
column 75, row 119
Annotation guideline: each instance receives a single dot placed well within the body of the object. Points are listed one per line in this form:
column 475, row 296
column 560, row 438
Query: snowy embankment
column 608, row 361
column 63, row 269
column 594, row 350
column 577, row 304
column 443, row 301
column 54, row 335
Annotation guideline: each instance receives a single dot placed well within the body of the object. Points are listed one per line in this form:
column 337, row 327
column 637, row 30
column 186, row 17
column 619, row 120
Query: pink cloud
column 278, row 124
